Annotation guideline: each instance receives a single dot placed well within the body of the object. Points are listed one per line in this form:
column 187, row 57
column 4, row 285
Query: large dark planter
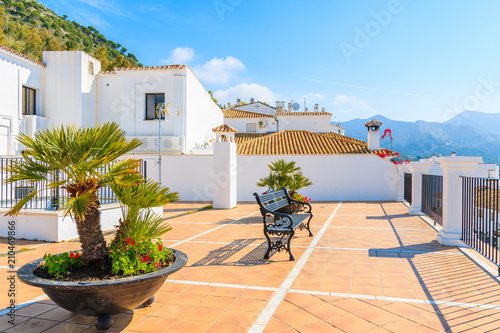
column 102, row 298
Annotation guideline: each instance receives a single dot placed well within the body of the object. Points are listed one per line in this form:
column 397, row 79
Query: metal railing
column 408, row 187
column 480, row 204
column 432, row 197
column 46, row 199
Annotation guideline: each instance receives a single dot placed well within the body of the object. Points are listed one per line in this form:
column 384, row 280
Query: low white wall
column 335, row 177
column 52, row 226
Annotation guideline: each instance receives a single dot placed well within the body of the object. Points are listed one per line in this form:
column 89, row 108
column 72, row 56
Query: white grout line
column 334, row 294
column 22, row 305
column 386, row 250
column 378, row 228
column 9, row 268
column 266, row 315
column 209, row 231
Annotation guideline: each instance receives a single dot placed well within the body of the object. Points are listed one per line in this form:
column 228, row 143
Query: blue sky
column 408, row 60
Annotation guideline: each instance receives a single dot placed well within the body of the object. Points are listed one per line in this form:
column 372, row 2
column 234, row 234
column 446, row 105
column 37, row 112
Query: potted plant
column 288, row 175
column 103, row 279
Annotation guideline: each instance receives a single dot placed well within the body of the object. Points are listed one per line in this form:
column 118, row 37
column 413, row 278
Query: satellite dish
column 295, row 106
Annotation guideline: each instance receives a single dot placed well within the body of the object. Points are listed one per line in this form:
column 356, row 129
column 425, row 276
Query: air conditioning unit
column 262, row 123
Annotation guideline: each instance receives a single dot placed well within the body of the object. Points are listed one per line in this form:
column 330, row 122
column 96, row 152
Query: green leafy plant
column 131, row 258
column 297, row 196
column 88, row 158
column 284, row 174
column 59, row 265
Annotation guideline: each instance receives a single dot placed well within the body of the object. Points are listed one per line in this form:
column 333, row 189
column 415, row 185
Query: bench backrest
column 272, row 201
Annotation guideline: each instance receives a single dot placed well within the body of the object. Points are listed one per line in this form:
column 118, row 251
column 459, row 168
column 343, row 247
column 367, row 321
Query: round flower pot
column 106, row 297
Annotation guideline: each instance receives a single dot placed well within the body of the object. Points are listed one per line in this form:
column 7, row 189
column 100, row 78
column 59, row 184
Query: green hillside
column 33, row 28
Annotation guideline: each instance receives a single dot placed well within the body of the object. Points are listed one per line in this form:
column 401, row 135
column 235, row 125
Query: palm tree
column 284, row 174
column 139, row 222
column 87, row 157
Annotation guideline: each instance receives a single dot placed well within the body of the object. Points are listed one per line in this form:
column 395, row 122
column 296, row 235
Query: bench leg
column 308, row 221
column 292, row 258
column 266, row 256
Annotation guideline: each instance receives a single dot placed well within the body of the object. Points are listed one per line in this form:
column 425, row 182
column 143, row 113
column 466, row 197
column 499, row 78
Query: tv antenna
column 161, row 109
column 295, row 106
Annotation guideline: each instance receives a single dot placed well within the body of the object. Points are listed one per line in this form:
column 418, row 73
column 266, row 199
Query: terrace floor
column 370, row 267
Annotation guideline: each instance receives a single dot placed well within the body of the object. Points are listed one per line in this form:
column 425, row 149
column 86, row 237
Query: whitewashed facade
column 69, row 88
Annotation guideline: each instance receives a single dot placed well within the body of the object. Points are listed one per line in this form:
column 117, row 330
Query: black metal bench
column 286, row 215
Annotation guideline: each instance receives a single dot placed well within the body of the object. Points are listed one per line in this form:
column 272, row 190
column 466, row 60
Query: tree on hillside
column 33, row 45
column 212, row 96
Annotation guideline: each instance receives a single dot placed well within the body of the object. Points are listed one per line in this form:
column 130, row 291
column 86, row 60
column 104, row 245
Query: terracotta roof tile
column 142, row 68
column 373, row 122
column 302, row 114
column 233, row 113
column 299, row 142
column 8, row 49
column 224, row 128
column 244, row 137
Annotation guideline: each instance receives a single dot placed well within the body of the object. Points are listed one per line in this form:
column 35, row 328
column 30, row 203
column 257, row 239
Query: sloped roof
column 8, row 49
column 145, row 68
column 244, row 137
column 258, row 102
column 302, row 143
column 224, row 128
column 302, row 114
column 373, row 122
column 233, row 113
column 343, row 137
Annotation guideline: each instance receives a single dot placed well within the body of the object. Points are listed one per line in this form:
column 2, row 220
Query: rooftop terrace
column 370, row 267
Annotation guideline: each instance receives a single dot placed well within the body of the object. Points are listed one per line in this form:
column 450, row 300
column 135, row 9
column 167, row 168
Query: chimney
column 373, row 134
column 323, row 110
column 252, row 100
column 316, row 107
column 290, row 107
column 306, row 110
column 238, row 102
column 280, row 105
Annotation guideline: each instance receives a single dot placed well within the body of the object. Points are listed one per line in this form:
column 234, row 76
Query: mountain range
column 469, row 133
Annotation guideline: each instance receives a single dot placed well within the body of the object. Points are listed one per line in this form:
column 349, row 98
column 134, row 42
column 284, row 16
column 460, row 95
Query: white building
column 69, row 88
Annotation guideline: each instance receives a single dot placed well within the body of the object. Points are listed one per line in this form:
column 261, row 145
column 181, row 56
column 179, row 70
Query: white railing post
column 402, row 169
column 454, row 167
column 225, row 172
column 418, row 169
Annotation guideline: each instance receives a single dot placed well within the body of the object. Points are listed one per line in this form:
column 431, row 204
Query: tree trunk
column 91, row 237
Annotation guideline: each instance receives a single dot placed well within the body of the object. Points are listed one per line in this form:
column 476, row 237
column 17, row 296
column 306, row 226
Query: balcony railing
column 30, row 124
column 168, row 144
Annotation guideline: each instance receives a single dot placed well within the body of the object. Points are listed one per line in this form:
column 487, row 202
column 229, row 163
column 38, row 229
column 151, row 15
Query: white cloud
column 245, row 91
column 179, row 55
column 349, row 106
column 218, row 70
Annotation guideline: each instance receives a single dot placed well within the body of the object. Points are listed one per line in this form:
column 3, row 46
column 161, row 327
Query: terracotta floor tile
column 67, row 328
column 275, row 325
column 164, row 296
column 325, row 311
column 200, row 290
column 4, row 321
column 183, row 326
column 251, row 305
column 217, row 302
column 187, row 299
column 297, row 318
column 33, row 325
column 153, row 325
column 228, row 292
column 303, row 300
column 286, row 306
column 397, row 292
column 378, row 316
column 57, row 314
column 204, row 314
column 350, row 323
column 408, row 326
column 352, row 305
column 35, row 309
column 366, row 290
column 171, row 311
column 257, row 294
column 238, row 318
column 223, row 328
column 321, row 326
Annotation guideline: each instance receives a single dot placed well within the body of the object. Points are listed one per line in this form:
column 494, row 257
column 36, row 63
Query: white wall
column 318, row 124
column 202, row 113
column 70, row 88
column 335, row 177
column 240, row 124
column 257, row 107
column 16, row 72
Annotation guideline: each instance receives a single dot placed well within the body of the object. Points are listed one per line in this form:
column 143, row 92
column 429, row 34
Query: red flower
column 145, row 259
column 160, row 247
column 133, row 242
column 128, row 240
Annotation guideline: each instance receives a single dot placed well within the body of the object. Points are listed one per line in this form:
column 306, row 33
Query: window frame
column 156, row 103
column 25, row 97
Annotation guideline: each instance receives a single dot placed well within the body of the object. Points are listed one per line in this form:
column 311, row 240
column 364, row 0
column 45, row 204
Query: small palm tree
column 284, row 174
column 139, row 222
column 88, row 159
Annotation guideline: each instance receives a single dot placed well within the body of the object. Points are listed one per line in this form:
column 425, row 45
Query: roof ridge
column 22, row 55
column 345, row 140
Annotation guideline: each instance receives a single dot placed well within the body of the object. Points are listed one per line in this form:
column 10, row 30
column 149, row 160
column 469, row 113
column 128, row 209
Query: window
column 152, row 101
column 29, row 101
column 91, row 68
column 251, row 128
